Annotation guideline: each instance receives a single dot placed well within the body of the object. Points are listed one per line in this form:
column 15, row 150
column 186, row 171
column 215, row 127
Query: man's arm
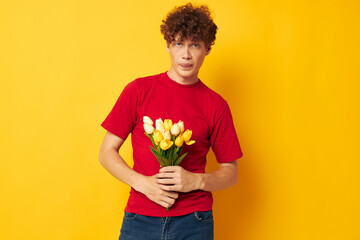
column 111, row 160
column 178, row 179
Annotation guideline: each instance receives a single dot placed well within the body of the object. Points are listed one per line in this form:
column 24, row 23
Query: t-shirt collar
column 166, row 77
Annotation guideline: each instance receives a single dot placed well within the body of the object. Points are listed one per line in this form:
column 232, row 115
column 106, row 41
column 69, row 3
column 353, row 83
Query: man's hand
column 111, row 160
column 176, row 178
column 155, row 193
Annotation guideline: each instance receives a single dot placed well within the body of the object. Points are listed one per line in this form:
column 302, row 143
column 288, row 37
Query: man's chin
column 186, row 73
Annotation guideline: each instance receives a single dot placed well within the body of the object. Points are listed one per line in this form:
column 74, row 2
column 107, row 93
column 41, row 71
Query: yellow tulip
column 168, row 124
column 165, row 144
column 179, row 141
column 187, row 135
column 190, row 142
column 158, row 137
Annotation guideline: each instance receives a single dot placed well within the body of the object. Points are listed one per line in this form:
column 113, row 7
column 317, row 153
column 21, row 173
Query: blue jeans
column 193, row 226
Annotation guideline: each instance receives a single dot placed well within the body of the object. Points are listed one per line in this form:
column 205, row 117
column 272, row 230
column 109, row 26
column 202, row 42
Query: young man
column 177, row 94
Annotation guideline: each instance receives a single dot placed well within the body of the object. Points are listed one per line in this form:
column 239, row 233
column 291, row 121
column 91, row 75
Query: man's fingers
column 165, row 194
column 169, row 169
column 165, row 175
column 172, row 195
column 168, row 201
column 167, row 181
column 169, row 188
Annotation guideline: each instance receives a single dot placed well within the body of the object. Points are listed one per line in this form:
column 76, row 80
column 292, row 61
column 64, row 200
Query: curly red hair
column 190, row 22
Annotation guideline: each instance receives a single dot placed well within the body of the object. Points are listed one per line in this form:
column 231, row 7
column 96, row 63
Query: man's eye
column 178, row 44
column 196, row 45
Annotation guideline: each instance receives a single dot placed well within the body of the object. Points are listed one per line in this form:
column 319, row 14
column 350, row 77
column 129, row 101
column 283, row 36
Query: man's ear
column 208, row 51
column 167, row 48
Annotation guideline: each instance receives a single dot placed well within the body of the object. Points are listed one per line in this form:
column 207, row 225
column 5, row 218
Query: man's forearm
column 226, row 176
column 116, row 166
column 113, row 162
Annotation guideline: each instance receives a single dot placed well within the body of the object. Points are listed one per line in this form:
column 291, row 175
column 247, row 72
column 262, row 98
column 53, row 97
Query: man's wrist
column 200, row 181
column 138, row 182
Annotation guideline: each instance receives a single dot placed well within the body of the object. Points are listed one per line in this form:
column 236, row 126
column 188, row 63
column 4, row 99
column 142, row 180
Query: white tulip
column 181, row 125
column 166, row 134
column 175, row 129
column 149, row 129
column 159, row 125
column 147, row 120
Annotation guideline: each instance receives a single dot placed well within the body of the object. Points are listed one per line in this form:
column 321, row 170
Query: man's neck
column 182, row 80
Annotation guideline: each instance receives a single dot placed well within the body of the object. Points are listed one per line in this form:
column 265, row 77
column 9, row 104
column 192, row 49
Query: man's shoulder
column 143, row 82
column 148, row 79
column 213, row 96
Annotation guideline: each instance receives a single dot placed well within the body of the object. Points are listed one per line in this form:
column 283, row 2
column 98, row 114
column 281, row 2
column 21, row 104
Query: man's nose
column 186, row 54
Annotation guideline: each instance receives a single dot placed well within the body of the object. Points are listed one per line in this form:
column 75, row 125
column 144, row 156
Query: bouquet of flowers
column 168, row 140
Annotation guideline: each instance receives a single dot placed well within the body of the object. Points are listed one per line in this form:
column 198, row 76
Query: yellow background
column 289, row 70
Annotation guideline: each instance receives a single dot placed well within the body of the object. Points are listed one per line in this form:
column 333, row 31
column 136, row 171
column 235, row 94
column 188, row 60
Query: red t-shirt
column 201, row 109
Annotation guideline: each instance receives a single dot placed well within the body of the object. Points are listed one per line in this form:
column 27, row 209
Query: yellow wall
column 289, row 70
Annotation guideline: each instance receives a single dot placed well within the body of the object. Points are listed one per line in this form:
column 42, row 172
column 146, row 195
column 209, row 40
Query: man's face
column 187, row 57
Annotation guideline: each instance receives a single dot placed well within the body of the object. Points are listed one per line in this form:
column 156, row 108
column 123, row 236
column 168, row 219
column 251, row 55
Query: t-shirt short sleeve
column 122, row 118
column 223, row 140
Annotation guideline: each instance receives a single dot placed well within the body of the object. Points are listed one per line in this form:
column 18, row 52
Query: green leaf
column 158, row 157
column 154, row 151
column 165, row 160
column 151, row 137
column 170, row 154
column 179, row 160
column 175, row 154
column 181, row 148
